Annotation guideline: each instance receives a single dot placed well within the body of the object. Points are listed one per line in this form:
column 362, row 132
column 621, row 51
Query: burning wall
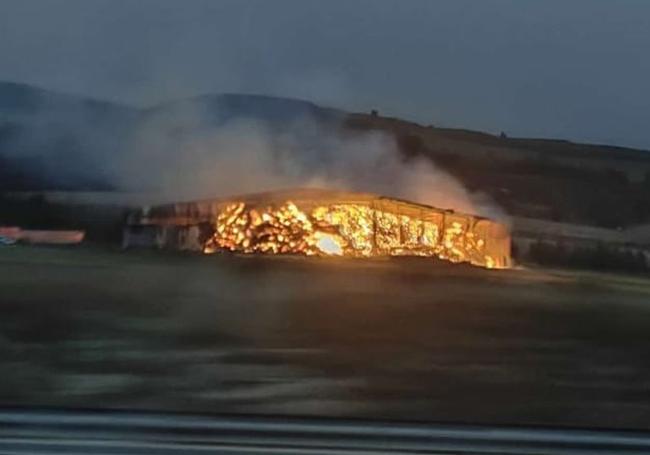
column 326, row 223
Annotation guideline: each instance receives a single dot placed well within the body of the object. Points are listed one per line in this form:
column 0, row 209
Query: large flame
column 343, row 229
column 328, row 244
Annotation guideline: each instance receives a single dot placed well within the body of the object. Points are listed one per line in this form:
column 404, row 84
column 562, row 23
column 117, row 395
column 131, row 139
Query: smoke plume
column 183, row 156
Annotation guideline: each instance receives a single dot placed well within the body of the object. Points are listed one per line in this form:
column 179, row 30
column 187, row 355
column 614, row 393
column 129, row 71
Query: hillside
column 50, row 140
column 220, row 108
column 539, row 178
column 53, row 141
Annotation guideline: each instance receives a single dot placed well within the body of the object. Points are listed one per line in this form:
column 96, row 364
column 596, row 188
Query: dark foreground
column 393, row 339
column 37, row 431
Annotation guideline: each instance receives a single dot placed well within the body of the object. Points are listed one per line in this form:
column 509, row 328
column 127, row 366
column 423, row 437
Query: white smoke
column 184, row 157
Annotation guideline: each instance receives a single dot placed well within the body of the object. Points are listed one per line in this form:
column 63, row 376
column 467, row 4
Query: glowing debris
column 345, row 230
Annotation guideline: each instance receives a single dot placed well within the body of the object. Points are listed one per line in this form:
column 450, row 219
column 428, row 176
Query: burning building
column 321, row 223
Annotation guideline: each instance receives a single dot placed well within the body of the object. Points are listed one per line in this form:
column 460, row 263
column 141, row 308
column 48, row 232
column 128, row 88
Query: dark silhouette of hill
column 50, row 140
column 540, row 178
column 54, row 141
column 220, row 108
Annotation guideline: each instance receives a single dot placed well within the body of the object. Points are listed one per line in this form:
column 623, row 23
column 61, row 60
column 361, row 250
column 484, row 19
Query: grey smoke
column 184, row 157
column 67, row 141
column 213, row 146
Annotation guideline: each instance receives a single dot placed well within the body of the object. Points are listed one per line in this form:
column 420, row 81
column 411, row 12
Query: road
column 407, row 339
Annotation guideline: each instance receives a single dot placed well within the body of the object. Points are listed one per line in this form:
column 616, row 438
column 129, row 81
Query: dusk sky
column 578, row 70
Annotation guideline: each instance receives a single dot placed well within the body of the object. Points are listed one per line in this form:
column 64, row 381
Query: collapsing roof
column 324, row 223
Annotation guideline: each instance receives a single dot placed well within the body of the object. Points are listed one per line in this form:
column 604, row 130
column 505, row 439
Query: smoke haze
column 211, row 146
column 184, row 158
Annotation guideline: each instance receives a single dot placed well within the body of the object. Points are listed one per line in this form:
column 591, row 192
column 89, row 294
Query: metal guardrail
column 114, row 432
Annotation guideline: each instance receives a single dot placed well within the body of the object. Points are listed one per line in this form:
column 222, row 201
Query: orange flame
column 343, row 230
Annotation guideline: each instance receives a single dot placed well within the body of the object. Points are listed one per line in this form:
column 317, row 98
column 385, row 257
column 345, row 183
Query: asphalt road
column 406, row 339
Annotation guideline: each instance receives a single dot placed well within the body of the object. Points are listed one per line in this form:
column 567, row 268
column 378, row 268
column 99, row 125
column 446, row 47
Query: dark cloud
column 572, row 69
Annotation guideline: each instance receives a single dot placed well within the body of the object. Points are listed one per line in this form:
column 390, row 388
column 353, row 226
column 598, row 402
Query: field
column 407, row 339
